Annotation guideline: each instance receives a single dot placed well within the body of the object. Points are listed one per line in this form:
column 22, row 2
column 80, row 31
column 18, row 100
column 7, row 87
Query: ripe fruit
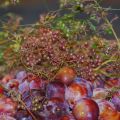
column 24, row 87
column 67, row 117
column 1, row 90
column 55, row 90
column 55, row 109
column 116, row 100
column 6, row 79
column 112, row 82
column 65, row 75
column 23, row 82
column 108, row 111
column 12, row 84
column 99, row 93
column 88, row 85
column 75, row 92
column 7, row 106
column 86, row 109
column 98, row 83
column 21, row 75
column 6, row 117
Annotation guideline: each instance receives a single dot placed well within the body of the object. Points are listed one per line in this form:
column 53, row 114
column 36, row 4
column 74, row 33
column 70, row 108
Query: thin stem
column 112, row 9
column 22, row 102
column 104, row 73
column 34, row 118
column 104, row 63
column 5, row 42
column 110, row 25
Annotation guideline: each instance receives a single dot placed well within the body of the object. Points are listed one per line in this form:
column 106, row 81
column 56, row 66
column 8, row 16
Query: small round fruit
column 88, row 85
column 86, row 109
column 99, row 93
column 1, row 90
column 108, row 111
column 24, row 87
column 7, row 78
column 21, row 75
column 65, row 75
column 98, row 83
column 6, row 117
column 7, row 106
column 55, row 90
column 12, row 84
column 55, row 109
column 75, row 92
column 116, row 100
column 112, row 82
column 68, row 117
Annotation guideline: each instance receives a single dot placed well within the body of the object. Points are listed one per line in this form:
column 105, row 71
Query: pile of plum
column 25, row 96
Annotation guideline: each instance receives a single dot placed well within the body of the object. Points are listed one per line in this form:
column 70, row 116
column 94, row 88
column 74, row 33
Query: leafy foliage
column 10, row 40
column 83, row 18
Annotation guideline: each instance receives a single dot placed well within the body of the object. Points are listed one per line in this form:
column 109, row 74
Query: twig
column 21, row 101
column 104, row 63
column 112, row 9
column 110, row 25
column 34, row 118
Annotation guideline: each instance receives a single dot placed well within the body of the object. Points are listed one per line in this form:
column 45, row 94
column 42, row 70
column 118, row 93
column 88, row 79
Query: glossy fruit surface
column 65, row 75
column 86, row 83
column 7, row 106
column 54, row 109
column 6, row 117
column 98, row 83
column 86, row 109
column 55, row 90
column 116, row 100
column 75, row 92
column 1, row 90
column 72, row 99
column 68, row 117
column 112, row 82
column 99, row 93
column 108, row 111
column 21, row 75
column 7, row 78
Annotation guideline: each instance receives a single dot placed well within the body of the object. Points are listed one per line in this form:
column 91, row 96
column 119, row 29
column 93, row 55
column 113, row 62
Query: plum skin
column 86, row 109
column 65, row 75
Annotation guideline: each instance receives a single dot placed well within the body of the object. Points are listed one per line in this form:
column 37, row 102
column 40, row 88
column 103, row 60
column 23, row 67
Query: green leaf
column 109, row 31
column 1, row 56
column 3, row 35
column 93, row 27
column 94, row 46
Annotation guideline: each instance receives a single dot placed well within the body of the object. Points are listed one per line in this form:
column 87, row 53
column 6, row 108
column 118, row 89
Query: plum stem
column 22, row 102
column 114, row 33
column 104, row 63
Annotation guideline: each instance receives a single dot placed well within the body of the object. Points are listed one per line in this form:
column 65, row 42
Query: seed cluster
column 46, row 51
column 34, row 101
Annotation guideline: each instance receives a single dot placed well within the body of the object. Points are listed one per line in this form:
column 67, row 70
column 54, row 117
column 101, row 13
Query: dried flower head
column 46, row 51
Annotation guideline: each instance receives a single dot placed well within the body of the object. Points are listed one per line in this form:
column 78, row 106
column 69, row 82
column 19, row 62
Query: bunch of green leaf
column 82, row 18
column 73, row 29
column 10, row 41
